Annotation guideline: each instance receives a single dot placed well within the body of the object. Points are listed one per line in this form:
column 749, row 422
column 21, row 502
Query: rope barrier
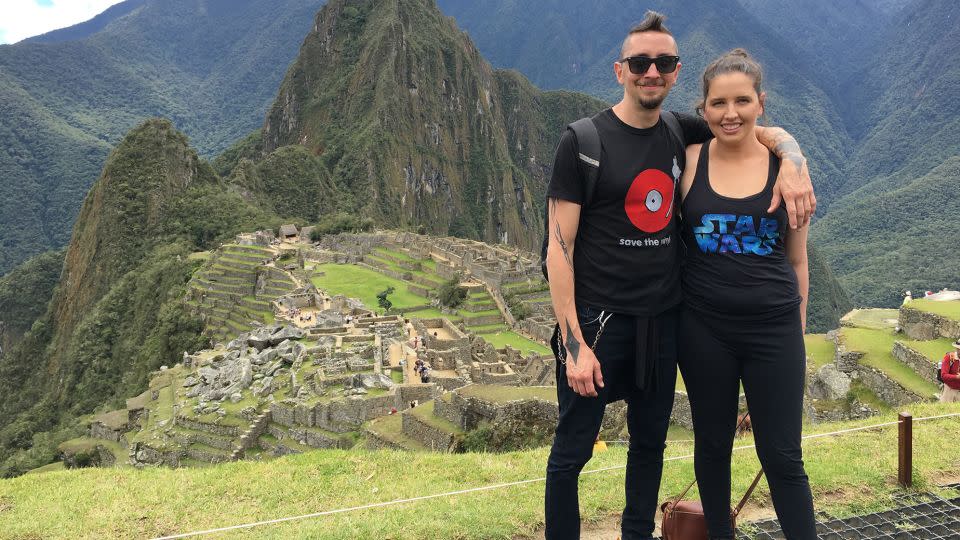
column 513, row 484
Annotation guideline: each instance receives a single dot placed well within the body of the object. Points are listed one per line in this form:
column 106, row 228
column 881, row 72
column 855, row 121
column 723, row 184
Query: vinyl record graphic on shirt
column 649, row 203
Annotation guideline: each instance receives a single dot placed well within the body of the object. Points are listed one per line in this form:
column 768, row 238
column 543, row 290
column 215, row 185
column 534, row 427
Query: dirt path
column 609, row 528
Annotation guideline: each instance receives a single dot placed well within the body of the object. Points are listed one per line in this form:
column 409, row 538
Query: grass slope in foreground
column 851, row 474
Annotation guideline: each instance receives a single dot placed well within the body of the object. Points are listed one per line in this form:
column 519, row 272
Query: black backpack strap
column 589, row 150
column 676, row 133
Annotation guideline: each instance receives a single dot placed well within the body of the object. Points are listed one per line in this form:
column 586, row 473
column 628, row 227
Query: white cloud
column 20, row 19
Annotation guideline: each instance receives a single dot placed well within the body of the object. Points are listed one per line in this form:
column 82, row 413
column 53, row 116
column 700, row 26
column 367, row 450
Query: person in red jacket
column 950, row 373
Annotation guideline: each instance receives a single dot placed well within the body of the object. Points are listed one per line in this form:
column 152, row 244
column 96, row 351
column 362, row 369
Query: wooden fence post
column 905, row 454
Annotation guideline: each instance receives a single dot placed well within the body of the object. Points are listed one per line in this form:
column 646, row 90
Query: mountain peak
column 408, row 116
column 123, row 211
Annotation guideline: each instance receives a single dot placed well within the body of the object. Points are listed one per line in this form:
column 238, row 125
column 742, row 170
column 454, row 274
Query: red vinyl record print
column 649, row 203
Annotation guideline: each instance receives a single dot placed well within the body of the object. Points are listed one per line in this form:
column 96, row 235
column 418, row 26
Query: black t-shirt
column 736, row 262
column 626, row 254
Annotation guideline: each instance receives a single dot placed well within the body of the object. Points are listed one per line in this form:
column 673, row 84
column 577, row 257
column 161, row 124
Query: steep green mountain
column 212, row 66
column 894, row 228
column 910, row 96
column 903, row 236
column 415, row 126
column 87, row 28
column 24, row 293
column 118, row 311
column 828, row 301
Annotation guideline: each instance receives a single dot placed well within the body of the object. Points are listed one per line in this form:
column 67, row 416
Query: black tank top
column 735, row 261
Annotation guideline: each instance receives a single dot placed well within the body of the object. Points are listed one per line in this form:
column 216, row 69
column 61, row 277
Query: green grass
column 876, row 319
column 200, row 256
column 859, row 391
column 396, row 254
column 390, row 427
column 475, row 314
column 878, row 344
column 850, row 474
column 87, row 444
column 820, row 351
column 933, row 349
column 56, row 466
column 950, row 310
column 424, row 412
column 518, row 342
column 365, row 284
column 503, row 394
column 431, row 313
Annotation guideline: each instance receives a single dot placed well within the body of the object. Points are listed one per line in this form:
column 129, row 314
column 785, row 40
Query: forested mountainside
column 68, row 96
column 117, row 312
column 415, row 127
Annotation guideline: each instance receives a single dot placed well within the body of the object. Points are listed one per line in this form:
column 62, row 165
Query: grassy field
column 820, row 351
column 503, row 394
column 365, row 284
column 877, row 319
column 518, row 342
column 878, row 344
column 850, row 474
column 950, row 310
column 933, row 349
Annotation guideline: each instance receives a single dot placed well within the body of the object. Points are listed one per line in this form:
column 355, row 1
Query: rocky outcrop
column 829, row 383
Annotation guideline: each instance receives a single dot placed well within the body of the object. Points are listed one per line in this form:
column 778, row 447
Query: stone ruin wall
column 916, row 361
column 925, row 326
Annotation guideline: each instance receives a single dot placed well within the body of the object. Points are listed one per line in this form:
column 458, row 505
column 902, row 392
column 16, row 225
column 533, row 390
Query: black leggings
column 716, row 354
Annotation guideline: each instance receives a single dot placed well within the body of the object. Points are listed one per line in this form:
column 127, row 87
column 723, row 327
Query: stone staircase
column 249, row 437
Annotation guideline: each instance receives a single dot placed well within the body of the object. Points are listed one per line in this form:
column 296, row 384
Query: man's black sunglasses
column 640, row 64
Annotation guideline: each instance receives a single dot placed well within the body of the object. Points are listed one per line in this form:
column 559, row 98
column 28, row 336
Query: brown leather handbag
column 683, row 520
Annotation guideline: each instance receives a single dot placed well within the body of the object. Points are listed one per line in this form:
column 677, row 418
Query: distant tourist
column 613, row 267
column 950, row 374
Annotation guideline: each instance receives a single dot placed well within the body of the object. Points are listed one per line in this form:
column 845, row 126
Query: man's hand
column 795, row 189
column 583, row 374
column 793, row 186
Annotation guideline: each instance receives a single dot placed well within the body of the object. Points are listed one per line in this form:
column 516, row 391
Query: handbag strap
column 749, row 491
column 746, row 495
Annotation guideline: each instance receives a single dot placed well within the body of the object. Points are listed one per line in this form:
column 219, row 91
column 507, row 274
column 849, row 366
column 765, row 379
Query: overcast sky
column 20, row 19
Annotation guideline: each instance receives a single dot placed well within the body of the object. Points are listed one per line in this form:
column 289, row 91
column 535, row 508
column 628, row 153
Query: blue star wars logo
column 729, row 233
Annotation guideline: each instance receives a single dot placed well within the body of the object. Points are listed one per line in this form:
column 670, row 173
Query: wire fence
column 518, row 482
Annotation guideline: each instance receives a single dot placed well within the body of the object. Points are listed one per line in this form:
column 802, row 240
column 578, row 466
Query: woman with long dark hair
column 745, row 288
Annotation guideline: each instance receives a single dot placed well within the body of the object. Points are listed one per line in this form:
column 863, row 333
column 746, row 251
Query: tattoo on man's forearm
column 559, row 235
column 785, row 146
column 572, row 344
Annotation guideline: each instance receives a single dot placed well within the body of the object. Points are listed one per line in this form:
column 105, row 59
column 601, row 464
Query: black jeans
column 648, row 414
column 716, row 354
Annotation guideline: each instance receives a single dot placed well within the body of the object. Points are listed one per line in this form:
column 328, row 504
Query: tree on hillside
column 382, row 300
column 451, row 293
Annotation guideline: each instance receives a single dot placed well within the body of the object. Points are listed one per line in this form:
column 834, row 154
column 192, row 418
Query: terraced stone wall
column 917, row 362
column 922, row 325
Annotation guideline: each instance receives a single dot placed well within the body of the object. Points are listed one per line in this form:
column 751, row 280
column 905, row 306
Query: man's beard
column 650, row 104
